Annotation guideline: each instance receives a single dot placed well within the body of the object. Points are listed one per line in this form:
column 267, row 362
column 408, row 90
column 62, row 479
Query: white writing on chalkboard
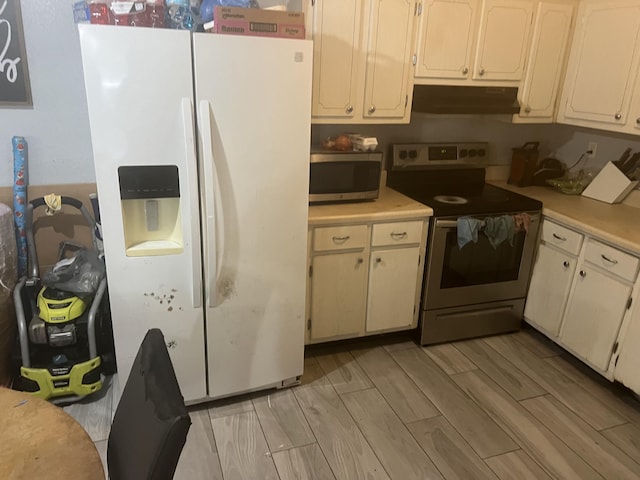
column 8, row 64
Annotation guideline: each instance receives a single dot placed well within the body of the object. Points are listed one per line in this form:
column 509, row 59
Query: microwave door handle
column 194, row 220
column 210, row 194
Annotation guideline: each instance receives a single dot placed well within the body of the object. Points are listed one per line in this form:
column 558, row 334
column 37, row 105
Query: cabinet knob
column 360, row 260
column 349, row 109
column 465, row 70
column 618, row 116
column 638, row 121
column 566, row 264
column 527, row 109
column 372, row 109
column 583, row 273
column 378, row 260
column 481, row 72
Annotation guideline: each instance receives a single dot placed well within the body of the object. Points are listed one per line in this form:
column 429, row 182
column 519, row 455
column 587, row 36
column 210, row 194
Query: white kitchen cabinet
column 361, row 285
column 594, row 316
column 394, row 276
column 552, row 276
column 600, row 298
column 538, row 91
column 580, row 292
column 467, row 41
column 603, row 67
column 446, row 38
column 338, row 288
column 549, row 289
column 338, row 293
column 627, row 360
column 362, row 60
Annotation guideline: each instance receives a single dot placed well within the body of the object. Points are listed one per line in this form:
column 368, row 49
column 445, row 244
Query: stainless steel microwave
column 344, row 176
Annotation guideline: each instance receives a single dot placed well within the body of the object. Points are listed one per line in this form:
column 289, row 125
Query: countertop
column 390, row 205
column 617, row 224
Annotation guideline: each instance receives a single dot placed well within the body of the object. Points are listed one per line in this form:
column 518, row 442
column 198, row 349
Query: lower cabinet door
column 594, row 315
column 393, row 281
column 338, row 293
column 549, row 289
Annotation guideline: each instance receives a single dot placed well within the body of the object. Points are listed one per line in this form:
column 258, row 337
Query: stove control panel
column 421, row 155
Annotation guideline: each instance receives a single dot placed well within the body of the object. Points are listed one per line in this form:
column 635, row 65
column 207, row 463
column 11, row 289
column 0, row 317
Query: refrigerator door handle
column 211, row 190
column 191, row 171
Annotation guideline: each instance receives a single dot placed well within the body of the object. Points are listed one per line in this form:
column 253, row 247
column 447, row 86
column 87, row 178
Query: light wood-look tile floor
column 507, row 407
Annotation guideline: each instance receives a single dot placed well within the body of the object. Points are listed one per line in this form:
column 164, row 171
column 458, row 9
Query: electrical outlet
column 592, row 147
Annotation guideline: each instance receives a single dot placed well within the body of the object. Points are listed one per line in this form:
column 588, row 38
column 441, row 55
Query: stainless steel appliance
column 344, row 176
column 478, row 289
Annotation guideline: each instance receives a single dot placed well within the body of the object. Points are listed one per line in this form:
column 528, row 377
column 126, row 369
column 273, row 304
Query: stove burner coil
column 451, row 199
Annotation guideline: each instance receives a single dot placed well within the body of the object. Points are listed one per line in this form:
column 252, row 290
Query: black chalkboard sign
column 14, row 74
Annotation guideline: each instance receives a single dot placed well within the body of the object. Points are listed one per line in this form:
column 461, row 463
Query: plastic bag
column 80, row 274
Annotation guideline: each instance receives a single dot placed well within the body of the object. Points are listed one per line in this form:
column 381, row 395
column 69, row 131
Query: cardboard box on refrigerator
column 258, row 22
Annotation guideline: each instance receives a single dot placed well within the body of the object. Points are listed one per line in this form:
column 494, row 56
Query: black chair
column 151, row 422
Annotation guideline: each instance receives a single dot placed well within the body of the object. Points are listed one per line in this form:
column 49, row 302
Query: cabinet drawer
column 340, row 238
column 611, row 259
column 398, row 233
column 561, row 237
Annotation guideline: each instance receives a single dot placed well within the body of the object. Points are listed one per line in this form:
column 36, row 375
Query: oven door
column 477, row 273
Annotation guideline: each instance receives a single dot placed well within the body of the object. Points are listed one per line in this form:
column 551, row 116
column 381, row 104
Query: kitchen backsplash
column 564, row 142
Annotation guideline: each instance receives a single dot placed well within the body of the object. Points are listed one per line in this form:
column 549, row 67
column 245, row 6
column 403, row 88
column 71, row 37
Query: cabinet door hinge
column 406, row 101
column 308, row 324
column 418, row 10
column 629, row 302
column 419, row 259
column 616, row 363
column 615, row 347
column 414, row 59
column 311, row 270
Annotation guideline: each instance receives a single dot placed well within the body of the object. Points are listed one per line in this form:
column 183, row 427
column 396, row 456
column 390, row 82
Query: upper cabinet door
column 389, row 69
column 503, row 39
column 445, row 43
column 603, row 63
column 337, row 59
column 551, row 30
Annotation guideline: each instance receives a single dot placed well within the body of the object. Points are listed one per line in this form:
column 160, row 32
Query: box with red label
column 258, row 22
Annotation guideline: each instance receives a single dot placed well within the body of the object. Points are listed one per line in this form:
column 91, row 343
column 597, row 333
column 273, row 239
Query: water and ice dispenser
column 150, row 198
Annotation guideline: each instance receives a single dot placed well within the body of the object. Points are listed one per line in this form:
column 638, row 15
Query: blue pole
column 20, row 182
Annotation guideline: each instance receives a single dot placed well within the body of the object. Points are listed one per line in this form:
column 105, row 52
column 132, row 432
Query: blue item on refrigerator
column 20, row 182
column 181, row 16
column 208, row 6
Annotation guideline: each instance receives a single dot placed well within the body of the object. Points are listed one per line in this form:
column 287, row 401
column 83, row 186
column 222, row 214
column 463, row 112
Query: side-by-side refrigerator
column 201, row 151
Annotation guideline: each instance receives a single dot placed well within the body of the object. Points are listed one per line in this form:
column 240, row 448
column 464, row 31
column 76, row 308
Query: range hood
column 462, row 99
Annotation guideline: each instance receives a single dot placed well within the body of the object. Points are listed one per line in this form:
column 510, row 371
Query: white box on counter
column 363, row 143
column 610, row 185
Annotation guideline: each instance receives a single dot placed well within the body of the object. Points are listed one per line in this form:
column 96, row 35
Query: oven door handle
column 454, row 223
column 446, row 223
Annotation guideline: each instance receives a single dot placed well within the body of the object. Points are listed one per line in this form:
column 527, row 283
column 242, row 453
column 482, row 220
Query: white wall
column 57, row 127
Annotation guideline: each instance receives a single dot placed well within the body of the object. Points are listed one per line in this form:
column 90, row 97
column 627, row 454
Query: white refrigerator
column 201, row 151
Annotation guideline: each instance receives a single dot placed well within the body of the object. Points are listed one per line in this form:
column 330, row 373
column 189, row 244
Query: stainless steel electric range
column 481, row 240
